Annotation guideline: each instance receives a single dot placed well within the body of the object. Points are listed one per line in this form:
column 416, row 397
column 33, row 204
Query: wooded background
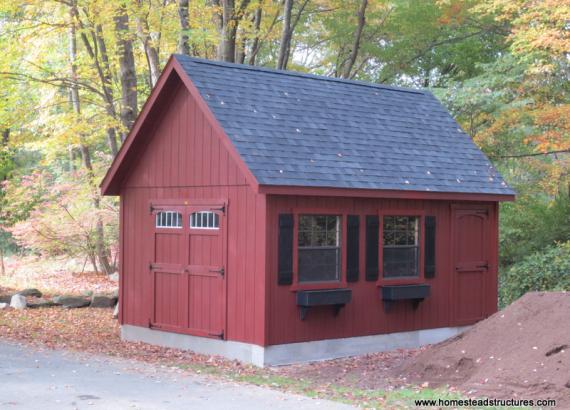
column 74, row 74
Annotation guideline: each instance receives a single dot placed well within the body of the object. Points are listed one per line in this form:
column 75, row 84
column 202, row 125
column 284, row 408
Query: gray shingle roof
column 303, row 130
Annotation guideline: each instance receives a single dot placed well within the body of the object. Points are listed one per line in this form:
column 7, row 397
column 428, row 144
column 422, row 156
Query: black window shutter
column 285, row 250
column 372, row 238
column 352, row 248
column 429, row 247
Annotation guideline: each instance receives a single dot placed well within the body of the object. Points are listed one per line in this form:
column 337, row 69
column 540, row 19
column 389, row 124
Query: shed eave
column 383, row 193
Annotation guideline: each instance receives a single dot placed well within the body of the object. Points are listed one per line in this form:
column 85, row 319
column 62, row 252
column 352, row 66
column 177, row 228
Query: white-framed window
column 401, row 246
column 205, row 220
column 319, row 248
column 168, row 219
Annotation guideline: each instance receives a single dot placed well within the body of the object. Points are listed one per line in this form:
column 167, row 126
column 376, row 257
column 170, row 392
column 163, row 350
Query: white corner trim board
column 291, row 352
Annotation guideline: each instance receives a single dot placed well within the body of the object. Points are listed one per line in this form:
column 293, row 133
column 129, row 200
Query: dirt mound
column 522, row 351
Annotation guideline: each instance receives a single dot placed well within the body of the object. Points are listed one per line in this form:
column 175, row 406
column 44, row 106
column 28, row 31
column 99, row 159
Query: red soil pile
column 520, row 352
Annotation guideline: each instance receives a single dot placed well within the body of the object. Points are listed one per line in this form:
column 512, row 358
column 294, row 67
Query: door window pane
column 205, row 220
column 168, row 219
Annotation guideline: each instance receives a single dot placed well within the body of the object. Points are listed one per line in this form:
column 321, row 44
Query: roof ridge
column 297, row 74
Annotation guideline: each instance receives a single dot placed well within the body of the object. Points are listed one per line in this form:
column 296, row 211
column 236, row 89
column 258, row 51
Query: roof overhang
column 381, row 193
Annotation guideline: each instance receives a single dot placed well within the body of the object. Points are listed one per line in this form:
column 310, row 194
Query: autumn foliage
column 75, row 73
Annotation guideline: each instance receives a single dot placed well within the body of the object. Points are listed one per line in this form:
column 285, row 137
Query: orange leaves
column 536, row 25
column 553, row 128
column 453, row 12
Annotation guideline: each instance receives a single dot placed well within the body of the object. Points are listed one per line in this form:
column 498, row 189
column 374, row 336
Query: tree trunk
column 357, row 38
column 283, row 57
column 255, row 43
column 289, row 25
column 5, row 136
column 240, row 52
column 151, row 52
column 183, row 47
column 230, row 22
column 108, row 89
column 103, row 71
column 5, row 140
column 2, row 267
column 102, row 253
column 127, row 71
column 227, row 48
column 71, row 158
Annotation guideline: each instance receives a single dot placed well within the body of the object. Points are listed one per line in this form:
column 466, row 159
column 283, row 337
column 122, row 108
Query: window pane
column 319, row 248
column 388, row 223
column 168, row 219
column 304, row 223
column 316, row 265
column 304, row 238
column 400, row 262
column 401, row 246
column 400, row 238
column 318, row 237
column 205, row 220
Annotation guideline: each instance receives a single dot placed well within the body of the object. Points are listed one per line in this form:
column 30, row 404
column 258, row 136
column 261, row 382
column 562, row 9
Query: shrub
column 548, row 269
column 532, row 223
column 57, row 216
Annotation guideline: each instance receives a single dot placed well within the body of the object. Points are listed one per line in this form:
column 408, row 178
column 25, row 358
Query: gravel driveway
column 47, row 379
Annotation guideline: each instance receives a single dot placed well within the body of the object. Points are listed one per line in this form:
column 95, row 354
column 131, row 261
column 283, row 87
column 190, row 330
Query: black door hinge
column 222, row 209
column 221, row 271
column 218, row 335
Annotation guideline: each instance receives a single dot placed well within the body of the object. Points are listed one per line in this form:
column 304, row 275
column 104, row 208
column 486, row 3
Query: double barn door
column 188, row 268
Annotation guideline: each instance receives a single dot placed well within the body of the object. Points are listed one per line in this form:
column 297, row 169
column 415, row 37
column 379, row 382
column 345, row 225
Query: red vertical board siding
column 184, row 160
column 365, row 314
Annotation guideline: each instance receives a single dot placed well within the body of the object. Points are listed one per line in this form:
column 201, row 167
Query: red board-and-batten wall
column 185, row 157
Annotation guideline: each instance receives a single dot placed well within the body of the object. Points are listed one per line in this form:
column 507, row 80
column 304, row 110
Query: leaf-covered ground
column 361, row 380
column 355, row 380
column 53, row 276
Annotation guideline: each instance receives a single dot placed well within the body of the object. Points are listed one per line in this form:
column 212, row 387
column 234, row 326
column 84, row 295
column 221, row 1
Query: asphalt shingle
column 302, row 130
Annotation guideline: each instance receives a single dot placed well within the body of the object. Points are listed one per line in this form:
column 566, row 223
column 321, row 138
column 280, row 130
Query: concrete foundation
column 291, row 352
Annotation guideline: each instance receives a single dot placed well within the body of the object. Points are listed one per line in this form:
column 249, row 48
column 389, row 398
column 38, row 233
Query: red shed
column 275, row 217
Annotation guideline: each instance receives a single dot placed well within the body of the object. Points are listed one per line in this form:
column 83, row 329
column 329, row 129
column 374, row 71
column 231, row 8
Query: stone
column 40, row 303
column 71, row 302
column 115, row 293
column 18, row 302
column 5, row 298
column 3, row 305
column 116, row 312
column 102, row 301
column 114, row 277
column 31, row 292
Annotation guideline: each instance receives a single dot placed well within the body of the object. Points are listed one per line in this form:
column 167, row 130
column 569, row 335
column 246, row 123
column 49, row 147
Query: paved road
column 33, row 379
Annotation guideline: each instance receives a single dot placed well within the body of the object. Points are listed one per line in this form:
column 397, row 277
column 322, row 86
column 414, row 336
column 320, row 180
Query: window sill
column 408, row 280
column 317, row 286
